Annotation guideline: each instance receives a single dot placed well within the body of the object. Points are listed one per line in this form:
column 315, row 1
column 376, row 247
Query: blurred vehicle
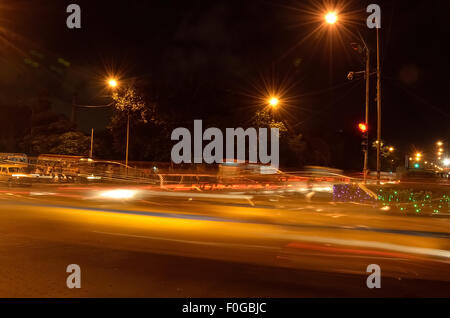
column 14, row 174
column 235, row 171
column 55, row 168
column 319, row 170
column 96, row 170
column 14, row 158
column 66, row 168
column 419, row 175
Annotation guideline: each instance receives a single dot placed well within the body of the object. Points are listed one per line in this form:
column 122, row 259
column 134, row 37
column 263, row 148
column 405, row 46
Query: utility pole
column 378, row 108
column 128, row 139
column 367, row 74
column 73, row 117
column 92, row 144
column 366, row 153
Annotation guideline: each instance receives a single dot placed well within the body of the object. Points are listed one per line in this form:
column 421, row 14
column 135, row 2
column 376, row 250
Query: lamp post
column 331, row 18
column 128, row 140
column 367, row 75
column 112, row 83
column 378, row 108
column 91, row 152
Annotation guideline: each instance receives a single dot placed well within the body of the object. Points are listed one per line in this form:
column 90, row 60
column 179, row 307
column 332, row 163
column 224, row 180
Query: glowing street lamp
column 391, row 149
column 331, row 17
column 273, row 102
column 112, row 82
column 446, row 162
column 439, row 143
column 418, row 156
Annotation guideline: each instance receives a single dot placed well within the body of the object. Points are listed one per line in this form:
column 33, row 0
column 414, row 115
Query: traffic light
column 416, row 165
column 363, row 128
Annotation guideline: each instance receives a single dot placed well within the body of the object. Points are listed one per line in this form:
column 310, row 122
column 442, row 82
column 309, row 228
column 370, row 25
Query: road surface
column 145, row 242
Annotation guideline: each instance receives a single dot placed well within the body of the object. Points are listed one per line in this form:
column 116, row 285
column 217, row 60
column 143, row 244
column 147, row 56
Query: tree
column 49, row 132
column 388, row 158
column 130, row 101
column 149, row 136
column 264, row 119
column 72, row 143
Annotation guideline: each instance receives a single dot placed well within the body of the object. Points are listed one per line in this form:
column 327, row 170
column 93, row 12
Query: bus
column 19, row 158
column 53, row 167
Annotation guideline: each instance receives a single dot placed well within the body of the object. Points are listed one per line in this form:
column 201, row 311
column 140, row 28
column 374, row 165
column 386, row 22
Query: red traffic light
column 362, row 127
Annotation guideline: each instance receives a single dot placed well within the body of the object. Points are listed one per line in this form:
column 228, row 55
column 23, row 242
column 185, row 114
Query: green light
column 416, row 165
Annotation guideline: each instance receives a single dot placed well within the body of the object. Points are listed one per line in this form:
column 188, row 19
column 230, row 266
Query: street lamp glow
column 446, row 162
column 391, row 149
column 439, row 143
column 331, row 17
column 273, row 101
column 112, row 82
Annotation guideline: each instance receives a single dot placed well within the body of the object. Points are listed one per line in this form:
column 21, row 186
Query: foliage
column 265, row 119
column 384, row 150
column 49, row 132
column 128, row 100
column 72, row 143
column 149, row 135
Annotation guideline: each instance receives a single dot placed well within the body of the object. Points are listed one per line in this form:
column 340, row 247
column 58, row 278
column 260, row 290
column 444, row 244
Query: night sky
column 225, row 50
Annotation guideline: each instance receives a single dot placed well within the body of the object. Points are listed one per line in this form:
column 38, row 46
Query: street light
column 112, row 82
column 391, row 149
column 331, row 17
column 273, row 102
column 446, row 162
